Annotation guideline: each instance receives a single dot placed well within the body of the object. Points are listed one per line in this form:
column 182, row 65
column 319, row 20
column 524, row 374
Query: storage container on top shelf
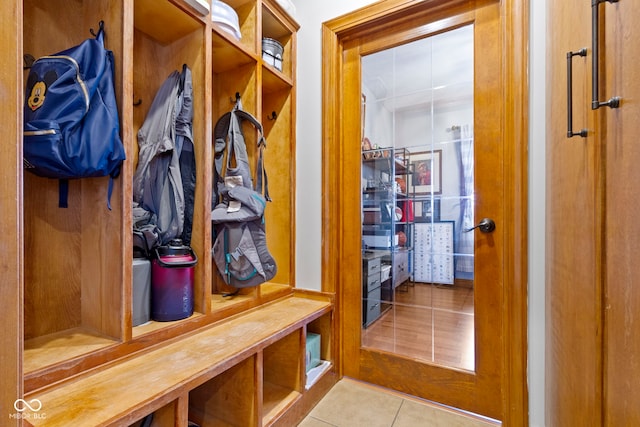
column 230, row 17
column 166, row 37
column 73, row 257
column 279, row 27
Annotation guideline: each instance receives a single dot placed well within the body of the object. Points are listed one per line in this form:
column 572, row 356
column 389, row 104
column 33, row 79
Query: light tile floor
column 352, row 403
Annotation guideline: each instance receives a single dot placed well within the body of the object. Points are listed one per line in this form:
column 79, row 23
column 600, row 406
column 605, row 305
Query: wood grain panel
column 163, row 21
column 51, row 234
column 279, row 163
column 620, row 77
column 11, row 291
column 227, row 398
column 282, row 362
column 574, row 196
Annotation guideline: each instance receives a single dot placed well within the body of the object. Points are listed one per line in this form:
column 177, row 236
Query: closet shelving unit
column 385, row 218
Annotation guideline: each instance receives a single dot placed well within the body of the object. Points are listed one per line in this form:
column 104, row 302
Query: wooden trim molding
column 11, row 290
column 516, row 128
column 336, row 36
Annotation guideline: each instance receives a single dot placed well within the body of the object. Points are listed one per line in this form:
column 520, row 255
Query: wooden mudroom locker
column 68, row 282
column 593, row 299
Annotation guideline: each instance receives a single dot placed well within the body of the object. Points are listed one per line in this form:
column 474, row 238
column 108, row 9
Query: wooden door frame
column 338, row 262
column 11, row 291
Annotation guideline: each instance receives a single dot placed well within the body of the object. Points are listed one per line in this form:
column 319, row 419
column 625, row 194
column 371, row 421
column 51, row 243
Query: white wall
column 311, row 14
column 537, row 125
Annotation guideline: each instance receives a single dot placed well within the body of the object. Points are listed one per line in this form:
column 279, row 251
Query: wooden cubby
column 161, row 47
column 269, row 95
column 169, row 415
column 229, row 399
column 76, row 263
column 323, row 327
column 74, row 258
column 282, row 368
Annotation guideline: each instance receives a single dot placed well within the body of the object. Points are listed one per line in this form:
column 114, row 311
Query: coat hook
column 101, row 25
column 273, row 116
column 28, row 61
column 231, row 100
column 138, row 102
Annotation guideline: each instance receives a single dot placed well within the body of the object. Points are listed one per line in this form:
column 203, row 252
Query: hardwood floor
column 434, row 323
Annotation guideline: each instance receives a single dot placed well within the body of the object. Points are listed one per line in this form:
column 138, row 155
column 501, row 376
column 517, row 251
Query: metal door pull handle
column 613, row 102
column 570, row 133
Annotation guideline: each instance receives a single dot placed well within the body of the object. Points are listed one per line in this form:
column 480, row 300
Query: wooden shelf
column 228, row 53
column 163, row 20
column 55, row 348
column 277, row 399
column 153, row 326
column 274, row 80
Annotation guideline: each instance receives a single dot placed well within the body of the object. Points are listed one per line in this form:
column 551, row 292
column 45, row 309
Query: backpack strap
column 261, row 173
column 100, row 35
column 63, row 193
column 184, row 137
column 221, row 132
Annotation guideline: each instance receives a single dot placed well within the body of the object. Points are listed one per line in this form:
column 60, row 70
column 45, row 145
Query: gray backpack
column 240, row 247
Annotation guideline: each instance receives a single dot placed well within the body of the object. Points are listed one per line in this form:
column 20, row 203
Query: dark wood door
column 574, row 195
column 621, row 77
column 592, row 200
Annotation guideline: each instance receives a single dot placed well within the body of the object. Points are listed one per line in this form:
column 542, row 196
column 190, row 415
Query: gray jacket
column 157, row 182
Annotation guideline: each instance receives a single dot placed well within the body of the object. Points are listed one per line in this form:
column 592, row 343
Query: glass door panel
column 418, row 199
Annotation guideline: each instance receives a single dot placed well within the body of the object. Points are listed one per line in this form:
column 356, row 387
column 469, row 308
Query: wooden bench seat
column 127, row 390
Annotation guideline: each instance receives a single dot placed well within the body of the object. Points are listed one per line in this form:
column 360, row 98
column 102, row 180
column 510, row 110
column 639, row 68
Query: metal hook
column 273, row 116
column 101, row 25
column 237, row 98
column 138, row 102
column 28, row 61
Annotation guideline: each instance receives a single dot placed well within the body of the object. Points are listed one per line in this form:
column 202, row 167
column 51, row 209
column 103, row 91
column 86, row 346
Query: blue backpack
column 71, row 125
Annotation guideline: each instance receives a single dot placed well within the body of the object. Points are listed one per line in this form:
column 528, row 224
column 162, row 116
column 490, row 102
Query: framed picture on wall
column 427, row 210
column 426, row 175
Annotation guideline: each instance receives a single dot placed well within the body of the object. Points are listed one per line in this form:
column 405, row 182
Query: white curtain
column 464, row 264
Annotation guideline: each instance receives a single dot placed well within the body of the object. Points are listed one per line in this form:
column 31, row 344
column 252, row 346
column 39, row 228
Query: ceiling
column 436, row 70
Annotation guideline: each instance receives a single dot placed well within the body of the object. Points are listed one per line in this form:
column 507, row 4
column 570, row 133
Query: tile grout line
column 402, row 400
column 323, row 421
